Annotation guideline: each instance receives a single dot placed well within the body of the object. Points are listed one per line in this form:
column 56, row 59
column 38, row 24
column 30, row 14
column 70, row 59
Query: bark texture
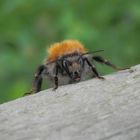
column 89, row 110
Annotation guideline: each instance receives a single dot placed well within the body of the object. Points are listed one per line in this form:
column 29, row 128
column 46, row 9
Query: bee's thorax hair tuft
column 64, row 48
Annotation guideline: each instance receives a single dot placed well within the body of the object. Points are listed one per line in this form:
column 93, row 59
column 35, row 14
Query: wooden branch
column 90, row 110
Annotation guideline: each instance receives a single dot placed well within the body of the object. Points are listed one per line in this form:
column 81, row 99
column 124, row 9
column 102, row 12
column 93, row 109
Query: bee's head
column 73, row 65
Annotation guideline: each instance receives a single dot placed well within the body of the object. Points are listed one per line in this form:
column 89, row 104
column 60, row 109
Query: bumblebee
column 68, row 62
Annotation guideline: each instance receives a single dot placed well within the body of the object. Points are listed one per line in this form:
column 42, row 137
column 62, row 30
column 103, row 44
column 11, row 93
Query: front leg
column 37, row 82
column 94, row 69
column 56, row 78
column 106, row 62
column 55, row 82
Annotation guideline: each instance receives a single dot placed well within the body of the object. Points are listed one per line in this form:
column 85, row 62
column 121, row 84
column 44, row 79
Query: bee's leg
column 56, row 78
column 104, row 61
column 37, row 82
column 94, row 69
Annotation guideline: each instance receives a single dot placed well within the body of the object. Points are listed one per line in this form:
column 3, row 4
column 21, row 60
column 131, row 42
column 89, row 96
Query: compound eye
column 65, row 63
column 80, row 60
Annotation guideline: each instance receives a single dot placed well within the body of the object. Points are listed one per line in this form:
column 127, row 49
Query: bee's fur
column 66, row 47
column 68, row 62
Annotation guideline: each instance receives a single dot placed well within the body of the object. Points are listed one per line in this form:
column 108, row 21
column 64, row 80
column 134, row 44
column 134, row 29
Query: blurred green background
column 27, row 27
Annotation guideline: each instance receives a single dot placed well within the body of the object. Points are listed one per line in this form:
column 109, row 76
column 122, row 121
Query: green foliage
column 27, row 27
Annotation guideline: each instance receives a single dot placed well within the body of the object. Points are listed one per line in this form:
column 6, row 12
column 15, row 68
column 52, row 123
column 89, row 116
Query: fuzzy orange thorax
column 63, row 48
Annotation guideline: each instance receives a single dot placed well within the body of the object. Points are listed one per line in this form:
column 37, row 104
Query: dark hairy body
column 69, row 69
column 68, row 63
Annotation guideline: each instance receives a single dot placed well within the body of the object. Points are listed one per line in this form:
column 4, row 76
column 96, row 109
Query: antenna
column 93, row 52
